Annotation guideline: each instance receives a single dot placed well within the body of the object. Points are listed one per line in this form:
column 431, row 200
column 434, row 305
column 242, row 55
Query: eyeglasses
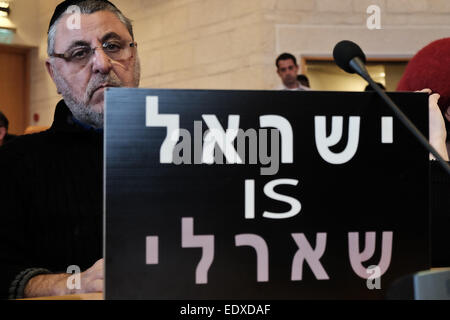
column 81, row 55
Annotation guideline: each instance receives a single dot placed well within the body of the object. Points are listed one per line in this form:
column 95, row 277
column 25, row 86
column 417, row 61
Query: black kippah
column 63, row 6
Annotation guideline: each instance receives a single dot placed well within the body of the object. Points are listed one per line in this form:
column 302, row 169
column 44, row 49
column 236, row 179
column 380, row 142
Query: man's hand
column 438, row 133
column 92, row 278
column 56, row 284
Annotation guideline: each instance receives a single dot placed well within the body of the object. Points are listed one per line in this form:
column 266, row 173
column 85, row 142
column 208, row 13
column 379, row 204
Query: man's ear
column 48, row 66
column 2, row 133
column 447, row 114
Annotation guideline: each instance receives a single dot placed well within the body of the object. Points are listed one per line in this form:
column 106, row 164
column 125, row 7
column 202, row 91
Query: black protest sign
column 262, row 194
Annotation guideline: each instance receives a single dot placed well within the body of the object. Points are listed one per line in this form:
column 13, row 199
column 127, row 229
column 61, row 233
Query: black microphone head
column 344, row 52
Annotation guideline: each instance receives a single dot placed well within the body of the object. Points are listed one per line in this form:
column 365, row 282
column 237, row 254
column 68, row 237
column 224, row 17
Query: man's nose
column 101, row 62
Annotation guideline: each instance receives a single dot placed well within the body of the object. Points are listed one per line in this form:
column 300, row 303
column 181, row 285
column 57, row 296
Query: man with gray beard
column 51, row 205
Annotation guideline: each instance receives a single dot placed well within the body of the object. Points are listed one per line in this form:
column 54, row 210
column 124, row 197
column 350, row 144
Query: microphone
column 350, row 58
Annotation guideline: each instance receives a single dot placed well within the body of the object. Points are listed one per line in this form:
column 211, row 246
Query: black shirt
column 50, row 200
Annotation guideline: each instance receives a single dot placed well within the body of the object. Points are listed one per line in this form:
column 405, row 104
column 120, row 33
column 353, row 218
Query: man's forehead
column 286, row 63
column 88, row 28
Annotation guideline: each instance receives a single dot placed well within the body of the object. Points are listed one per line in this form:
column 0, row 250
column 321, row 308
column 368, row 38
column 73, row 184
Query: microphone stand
column 360, row 68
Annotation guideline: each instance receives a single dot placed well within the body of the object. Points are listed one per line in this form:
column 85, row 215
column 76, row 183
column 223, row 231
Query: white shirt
column 300, row 87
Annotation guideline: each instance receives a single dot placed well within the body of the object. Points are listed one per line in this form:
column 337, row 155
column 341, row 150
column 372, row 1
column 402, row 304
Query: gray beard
column 79, row 106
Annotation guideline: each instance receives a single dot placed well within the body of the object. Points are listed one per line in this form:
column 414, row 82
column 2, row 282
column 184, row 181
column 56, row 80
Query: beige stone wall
column 213, row 44
column 232, row 44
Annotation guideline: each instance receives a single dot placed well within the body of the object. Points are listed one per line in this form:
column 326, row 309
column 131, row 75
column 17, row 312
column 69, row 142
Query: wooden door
column 14, row 87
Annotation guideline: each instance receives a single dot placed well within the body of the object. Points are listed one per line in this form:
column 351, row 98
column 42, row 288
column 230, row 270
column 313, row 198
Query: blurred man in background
column 4, row 124
column 287, row 70
column 304, row 81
